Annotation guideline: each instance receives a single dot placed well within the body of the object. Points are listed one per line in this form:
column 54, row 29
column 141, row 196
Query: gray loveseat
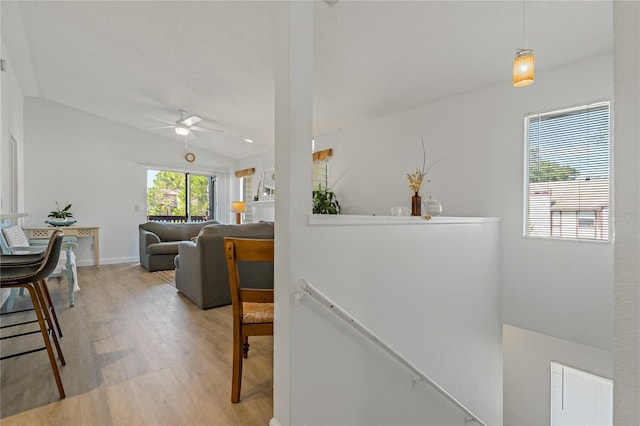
column 201, row 267
column 159, row 242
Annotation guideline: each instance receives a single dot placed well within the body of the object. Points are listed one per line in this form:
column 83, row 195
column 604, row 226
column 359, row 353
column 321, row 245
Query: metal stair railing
column 306, row 289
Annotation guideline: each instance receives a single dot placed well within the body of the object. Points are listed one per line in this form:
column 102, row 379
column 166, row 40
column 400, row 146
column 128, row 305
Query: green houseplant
column 325, row 201
column 59, row 213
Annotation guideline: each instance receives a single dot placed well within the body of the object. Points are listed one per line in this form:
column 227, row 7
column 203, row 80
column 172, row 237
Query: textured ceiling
column 128, row 61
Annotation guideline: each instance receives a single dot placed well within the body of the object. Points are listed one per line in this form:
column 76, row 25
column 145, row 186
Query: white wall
column 11, row 119
column 627, row 214
column 563, row 289
column 12, row 125
column 260, row 162
column 430, row 291
column 95, row 164
column 325, row 375
column 527, row 372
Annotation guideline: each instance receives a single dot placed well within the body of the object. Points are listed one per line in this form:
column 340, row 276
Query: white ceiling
column 127, row 61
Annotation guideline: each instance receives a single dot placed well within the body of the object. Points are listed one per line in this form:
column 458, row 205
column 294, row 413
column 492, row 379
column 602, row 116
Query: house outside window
column 567, row 173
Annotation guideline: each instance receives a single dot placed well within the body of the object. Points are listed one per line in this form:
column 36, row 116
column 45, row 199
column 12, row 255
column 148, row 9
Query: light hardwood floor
column 138, row 353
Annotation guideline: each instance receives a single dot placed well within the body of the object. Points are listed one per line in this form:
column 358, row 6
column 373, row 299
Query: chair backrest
column 247, row 250
column 52, row 254
column 48, row 263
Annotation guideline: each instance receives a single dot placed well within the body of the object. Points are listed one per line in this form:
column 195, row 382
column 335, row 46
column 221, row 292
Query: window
column 320, row 166
column 568, row 173
column 580, row 398
column 247, row 197
column 319, row 175
column 180, row 197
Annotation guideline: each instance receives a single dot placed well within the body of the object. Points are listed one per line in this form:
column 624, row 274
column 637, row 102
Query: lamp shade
column 523, row 68
column 238, row 207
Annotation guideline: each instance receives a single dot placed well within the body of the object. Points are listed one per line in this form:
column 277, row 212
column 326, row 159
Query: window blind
column 247, row 197
column 318, row 175
column 568, row 173
column 579, row 398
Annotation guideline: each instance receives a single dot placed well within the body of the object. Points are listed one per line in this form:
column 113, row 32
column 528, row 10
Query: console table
column 70, row 231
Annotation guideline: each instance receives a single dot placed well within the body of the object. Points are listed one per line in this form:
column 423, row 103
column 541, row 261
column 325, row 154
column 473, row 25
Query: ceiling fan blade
column 161, row 127
column 190, row 121
column 204, row 129
column 161, row 119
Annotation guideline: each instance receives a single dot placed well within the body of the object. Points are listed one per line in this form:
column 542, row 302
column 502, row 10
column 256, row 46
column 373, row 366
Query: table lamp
column 238, row 207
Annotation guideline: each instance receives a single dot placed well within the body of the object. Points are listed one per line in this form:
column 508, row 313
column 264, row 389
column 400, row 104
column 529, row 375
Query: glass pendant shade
column 523, row 68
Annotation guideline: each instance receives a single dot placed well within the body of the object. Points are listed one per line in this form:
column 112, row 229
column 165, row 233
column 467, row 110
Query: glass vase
column 416, row 205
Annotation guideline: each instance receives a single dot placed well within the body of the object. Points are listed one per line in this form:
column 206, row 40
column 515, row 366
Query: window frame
column 604, row 384
column 212, row 183
column 526, row 201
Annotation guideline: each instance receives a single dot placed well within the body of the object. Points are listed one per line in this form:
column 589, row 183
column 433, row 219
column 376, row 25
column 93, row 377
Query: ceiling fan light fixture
column 182, row 131
column 248, row 140
column 523, row 68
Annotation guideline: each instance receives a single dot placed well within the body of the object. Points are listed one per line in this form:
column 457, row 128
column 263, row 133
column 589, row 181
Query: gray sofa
column 159, row 242
column 201, row 267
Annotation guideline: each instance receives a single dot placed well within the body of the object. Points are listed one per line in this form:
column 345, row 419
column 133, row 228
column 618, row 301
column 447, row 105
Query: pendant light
column 524, row 61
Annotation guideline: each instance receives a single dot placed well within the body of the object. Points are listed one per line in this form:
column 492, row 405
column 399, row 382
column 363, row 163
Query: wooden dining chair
column 252, row 308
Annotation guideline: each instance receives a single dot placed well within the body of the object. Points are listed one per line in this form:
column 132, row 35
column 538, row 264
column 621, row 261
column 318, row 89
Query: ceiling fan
column 185, row 125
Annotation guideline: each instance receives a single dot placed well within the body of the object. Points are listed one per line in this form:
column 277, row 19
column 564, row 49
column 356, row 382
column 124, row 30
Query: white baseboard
column 274, row 422
column 109, row 261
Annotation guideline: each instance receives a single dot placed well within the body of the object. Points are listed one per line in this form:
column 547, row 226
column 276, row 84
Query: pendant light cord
column 523, row 23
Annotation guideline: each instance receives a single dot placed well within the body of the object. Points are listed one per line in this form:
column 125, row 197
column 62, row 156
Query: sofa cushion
column 15, row 236
column 169, row 247
column 168, row 231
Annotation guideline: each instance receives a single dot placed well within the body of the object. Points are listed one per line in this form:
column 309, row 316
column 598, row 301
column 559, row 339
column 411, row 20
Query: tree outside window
column 178, row 197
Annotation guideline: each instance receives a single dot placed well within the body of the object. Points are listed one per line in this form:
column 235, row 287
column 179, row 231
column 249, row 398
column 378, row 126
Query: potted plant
column 325, row 201
column 61, row 217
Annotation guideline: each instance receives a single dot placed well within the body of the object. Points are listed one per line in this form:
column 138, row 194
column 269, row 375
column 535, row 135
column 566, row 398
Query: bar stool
column 30, row 260
column 32, row 278
column 35, row 259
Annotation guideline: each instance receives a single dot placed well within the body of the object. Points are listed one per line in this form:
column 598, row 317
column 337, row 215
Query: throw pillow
column 15, row 236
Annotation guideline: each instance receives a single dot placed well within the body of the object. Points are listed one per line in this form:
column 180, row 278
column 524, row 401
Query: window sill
column 355, row 220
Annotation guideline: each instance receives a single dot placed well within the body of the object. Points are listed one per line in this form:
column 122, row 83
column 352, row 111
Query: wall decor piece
column 269, row 181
